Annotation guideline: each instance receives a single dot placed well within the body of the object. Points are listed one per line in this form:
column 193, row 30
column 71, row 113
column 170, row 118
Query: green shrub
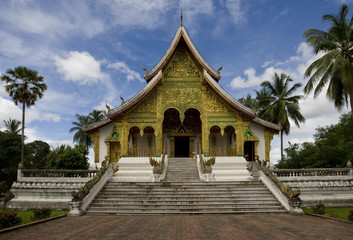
column 9, row 219
column 41, row 213
column 350, row 215
column 319, row 208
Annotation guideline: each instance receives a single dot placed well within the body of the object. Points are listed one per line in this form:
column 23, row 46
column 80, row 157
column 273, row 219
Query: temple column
column 205, row 143
column 159, row 123
column 239, row 141
column 268, row 139
column 95, row 139
column 191, row 146
column 122, row 127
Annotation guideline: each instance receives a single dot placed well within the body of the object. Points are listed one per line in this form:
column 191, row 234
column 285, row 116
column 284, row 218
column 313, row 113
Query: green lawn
column 27, row 215
column 336, row 212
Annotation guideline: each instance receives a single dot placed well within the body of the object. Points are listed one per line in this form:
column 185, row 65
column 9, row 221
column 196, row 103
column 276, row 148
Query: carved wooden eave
column 237, row 105
column 126, row 105
column 181, row 32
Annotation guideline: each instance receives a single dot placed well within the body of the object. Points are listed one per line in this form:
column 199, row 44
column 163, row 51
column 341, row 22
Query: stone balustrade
column 331, row 186
column 62, row 173
column 313, row 172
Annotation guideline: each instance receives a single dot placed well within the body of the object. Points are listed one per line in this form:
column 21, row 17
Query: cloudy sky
column 91, row 52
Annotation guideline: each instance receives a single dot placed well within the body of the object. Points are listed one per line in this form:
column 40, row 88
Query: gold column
column 256, row 152
column 268, row 139
column 239, row 141
column 124, row 144
column 95, row 139
column 159, row 123
column 191, row 146
column 204, row 141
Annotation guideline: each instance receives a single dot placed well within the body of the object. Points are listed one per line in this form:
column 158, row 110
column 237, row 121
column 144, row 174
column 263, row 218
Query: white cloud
column 80, row 67
column 252, row 80
column 236, row 12
column 124, row 68
column 58, row 19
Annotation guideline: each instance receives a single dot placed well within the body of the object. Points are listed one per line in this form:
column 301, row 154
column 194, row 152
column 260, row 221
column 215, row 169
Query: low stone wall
column 52, row 189
column 333, row 187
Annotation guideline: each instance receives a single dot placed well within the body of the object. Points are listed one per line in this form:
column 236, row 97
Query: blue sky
column 91, row 52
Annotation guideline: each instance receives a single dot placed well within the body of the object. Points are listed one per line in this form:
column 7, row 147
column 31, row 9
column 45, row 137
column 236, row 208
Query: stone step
column 205, row 201
column 184, row 193
column 186, row 190
column 207, row 208
column 167, row 184
column 128, row 212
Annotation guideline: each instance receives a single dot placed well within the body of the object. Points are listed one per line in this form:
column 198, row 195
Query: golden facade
column 182, row 110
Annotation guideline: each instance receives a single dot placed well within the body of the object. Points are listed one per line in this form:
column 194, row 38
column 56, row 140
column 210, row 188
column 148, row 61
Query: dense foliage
column 10, row 152
column 83, row 121
column 9, row 219
column 67, row 157
column 335, row 68
column 35, row 155
column 332, row 147
column 38, row 155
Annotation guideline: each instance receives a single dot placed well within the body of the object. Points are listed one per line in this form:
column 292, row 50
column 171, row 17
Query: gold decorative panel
column 181, row 65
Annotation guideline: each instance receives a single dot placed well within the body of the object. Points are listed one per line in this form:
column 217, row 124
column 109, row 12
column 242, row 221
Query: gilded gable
column 181, row 65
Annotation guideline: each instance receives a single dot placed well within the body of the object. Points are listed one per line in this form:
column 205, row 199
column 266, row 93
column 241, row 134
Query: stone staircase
column 183, row 193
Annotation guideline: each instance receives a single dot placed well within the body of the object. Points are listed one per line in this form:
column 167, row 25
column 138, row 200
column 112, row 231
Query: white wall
column 104, row 132
column 259, row 131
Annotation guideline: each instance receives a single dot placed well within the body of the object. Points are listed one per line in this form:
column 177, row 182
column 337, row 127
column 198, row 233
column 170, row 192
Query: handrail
column 287, row 191
column 159, row 168
column 206, row 165
column 203, row 175
column 56, row 173
column 311, row 172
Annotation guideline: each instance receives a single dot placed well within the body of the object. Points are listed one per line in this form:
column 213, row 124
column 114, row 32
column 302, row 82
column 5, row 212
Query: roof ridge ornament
column 181, row 17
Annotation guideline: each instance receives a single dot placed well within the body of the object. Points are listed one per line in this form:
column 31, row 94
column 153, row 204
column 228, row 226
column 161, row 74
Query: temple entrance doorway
column 249, row 150
column 181, row 145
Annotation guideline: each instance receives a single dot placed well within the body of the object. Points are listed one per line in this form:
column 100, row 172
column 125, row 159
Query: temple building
column 182, row 110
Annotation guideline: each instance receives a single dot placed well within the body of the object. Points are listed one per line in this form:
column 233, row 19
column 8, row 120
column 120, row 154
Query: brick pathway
column 257, row 226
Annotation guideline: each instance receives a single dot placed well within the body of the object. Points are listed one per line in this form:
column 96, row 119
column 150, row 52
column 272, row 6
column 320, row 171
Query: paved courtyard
column 257, row 226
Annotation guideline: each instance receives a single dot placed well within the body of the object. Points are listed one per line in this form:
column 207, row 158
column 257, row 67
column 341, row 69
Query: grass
column 27, row 215
column 335, row 212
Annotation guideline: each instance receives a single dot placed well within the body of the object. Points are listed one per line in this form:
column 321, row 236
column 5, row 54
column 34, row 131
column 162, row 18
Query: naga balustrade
column 312, row 172
column 51, row 173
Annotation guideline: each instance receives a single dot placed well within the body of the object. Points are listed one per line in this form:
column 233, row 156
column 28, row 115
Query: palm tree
column 249, row 102
column 12, row 126
column 24, row 86
column 281, row 105
column 96, row 115
column 335, row 67
column 80, row 136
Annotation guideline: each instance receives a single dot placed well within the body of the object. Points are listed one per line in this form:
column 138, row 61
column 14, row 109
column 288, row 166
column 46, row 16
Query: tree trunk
column 282, row 145
column 23, row 134
column 351, row 102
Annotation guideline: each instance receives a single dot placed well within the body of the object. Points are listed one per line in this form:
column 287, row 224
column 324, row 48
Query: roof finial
column 181, row 17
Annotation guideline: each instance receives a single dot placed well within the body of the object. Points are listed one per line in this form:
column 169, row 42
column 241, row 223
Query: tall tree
column 12, row 126
column 80, row 136
column 24, row 86
column 96, row 115
column 335, row 67
column 281, row 105
column 249, row 102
